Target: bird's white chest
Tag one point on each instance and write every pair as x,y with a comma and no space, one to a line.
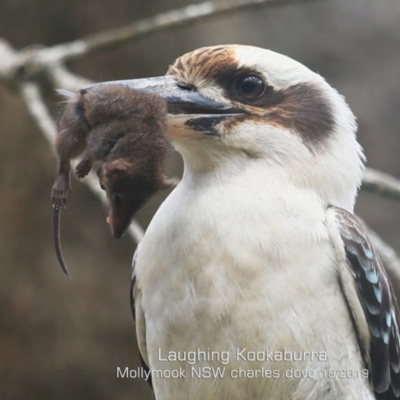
229,272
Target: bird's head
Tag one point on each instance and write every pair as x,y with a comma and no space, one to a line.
233,106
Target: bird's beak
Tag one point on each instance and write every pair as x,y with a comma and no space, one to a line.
188,110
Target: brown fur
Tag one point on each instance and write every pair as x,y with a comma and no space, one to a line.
125,131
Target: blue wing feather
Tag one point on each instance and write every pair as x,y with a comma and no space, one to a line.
379,303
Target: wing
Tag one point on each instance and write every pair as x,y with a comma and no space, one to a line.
138,317
379,304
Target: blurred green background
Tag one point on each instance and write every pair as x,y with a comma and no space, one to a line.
63,338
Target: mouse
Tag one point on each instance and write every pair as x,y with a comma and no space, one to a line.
124,133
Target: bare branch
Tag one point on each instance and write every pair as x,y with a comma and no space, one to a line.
35,59
381,183
169,19
32,97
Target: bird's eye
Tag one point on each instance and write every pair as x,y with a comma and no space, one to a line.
184,86
250,87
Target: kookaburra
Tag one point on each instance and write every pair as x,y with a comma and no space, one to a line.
255,263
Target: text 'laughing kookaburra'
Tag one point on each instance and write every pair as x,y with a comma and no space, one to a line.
254,279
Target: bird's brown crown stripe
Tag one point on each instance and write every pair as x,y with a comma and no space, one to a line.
205,62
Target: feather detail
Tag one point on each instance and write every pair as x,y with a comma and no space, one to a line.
379,303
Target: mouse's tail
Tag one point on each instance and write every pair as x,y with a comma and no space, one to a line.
56,237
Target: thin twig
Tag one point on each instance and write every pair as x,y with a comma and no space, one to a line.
64,79
32,97
381,183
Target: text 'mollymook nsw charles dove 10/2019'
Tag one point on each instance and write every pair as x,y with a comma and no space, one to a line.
257,249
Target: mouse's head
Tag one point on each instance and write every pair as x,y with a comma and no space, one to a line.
126,192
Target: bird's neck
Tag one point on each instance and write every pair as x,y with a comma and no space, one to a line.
258,203
245,183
